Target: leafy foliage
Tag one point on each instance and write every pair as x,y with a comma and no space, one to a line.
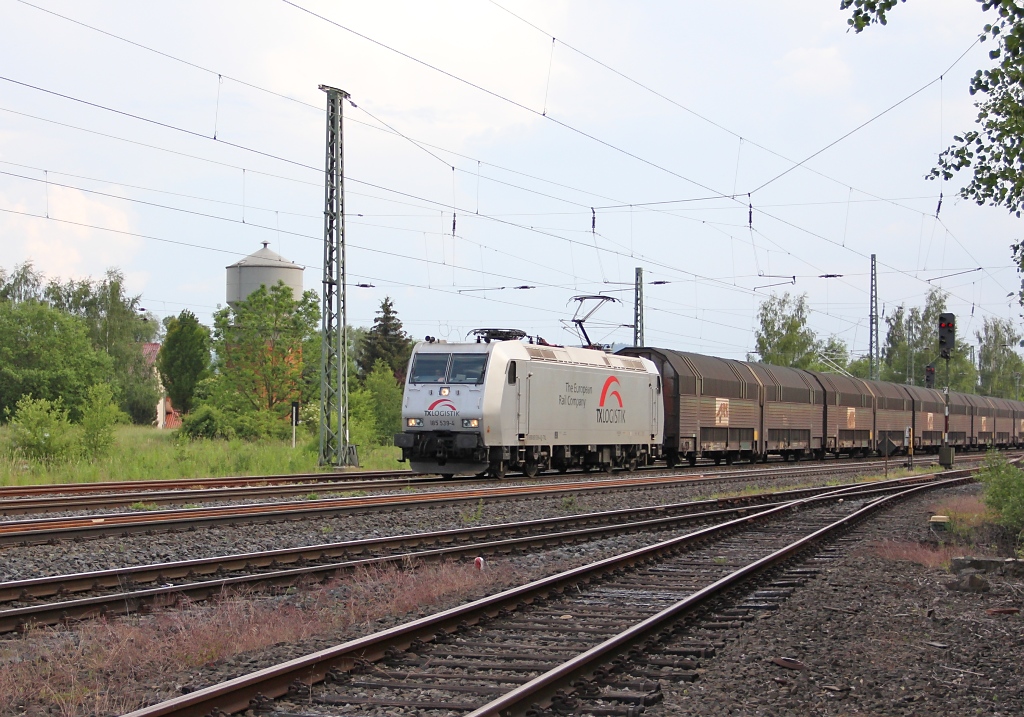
386,395
207,421
45,353
911,343
184,358
386,341
1004,490
40,430
114,324
783,337
1001,367
259,347
99,418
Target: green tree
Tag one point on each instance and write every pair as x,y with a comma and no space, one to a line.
783,337
912,342
99,418
386,395
46,354
993,151
259,348
119,327
386,341
1000,366
184,358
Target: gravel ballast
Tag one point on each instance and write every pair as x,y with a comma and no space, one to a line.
877,637
33,561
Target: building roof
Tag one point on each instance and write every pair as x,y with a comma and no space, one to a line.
265,257
149,352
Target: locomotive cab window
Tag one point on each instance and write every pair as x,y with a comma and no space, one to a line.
467,368
429,368
511,372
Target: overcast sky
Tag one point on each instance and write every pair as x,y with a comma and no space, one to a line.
693,103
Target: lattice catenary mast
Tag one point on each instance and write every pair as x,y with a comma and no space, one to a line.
873,348
334,446
638,308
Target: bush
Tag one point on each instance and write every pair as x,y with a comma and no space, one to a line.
40,430
1004,491
99,417
260,424
206,422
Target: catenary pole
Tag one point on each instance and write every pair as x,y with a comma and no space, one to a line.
334,429
638,308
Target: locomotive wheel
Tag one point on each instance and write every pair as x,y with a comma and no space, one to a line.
530,470
498,471
631,466
672,461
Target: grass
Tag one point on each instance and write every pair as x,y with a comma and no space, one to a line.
144,453
966,512
108,667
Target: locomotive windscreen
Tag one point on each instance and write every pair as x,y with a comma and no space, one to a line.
448,368
429,368
467,368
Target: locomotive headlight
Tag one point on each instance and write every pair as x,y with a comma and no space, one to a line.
413,422
470,422
444,391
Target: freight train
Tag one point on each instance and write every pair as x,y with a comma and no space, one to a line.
504,404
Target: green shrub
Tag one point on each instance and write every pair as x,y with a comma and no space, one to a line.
100,415
1004,490
40,430
206,422
260,424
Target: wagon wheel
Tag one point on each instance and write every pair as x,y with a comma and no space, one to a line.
447,476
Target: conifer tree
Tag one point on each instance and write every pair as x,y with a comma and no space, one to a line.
386,341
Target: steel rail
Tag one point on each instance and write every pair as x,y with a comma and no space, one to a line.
43,530
543,687
184,483
19,500
128,602
36,588
235,695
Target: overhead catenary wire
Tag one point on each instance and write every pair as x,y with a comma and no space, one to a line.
385,189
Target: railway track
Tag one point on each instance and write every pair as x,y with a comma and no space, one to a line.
56,498
595,639
121,591
55,529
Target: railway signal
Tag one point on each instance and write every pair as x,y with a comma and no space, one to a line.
947,334
929,376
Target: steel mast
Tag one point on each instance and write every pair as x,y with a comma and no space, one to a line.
334,430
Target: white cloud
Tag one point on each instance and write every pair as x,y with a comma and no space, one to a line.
58,248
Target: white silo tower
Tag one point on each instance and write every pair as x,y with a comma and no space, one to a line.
262,268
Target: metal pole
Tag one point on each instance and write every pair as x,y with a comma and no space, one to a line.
873,349
334,434
638,308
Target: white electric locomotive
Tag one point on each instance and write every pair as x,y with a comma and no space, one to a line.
504,404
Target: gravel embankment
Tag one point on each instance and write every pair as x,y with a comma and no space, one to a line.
877,636
20,563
